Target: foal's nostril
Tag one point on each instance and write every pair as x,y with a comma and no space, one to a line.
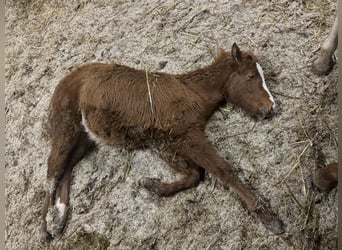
265,113
269,114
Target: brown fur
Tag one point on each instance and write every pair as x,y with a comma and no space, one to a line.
133,108
326,178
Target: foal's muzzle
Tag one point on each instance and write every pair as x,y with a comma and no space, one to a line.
267,113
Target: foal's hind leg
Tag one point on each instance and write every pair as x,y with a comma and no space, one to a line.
65,154
84,145
191,176
57,163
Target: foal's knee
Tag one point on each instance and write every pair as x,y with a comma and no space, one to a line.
194,177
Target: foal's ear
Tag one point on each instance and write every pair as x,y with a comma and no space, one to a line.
236,53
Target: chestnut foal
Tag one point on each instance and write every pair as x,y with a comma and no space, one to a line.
130,108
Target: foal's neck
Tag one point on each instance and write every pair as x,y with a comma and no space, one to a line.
209,82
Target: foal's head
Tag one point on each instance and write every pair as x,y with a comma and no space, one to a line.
246,87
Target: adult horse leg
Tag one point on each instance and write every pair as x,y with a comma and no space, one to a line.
324,64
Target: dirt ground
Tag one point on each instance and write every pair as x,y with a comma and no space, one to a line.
46,39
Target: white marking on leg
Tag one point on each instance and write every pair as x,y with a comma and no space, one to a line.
261,73
60,207
91,135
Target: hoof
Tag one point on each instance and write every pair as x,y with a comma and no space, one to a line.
57,221
323,65
270,220
45,237
155,186
326,178
150,184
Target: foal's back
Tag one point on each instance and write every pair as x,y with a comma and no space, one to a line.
112,99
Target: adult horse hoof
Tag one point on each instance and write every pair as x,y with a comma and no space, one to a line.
326,178
323,65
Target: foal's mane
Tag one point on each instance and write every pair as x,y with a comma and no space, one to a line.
221,55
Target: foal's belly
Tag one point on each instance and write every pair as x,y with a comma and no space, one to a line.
126,136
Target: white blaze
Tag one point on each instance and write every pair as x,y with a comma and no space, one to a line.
60,207
261,73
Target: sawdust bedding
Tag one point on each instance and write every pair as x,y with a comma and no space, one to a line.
47,39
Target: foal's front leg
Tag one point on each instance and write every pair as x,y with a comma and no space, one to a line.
200,151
